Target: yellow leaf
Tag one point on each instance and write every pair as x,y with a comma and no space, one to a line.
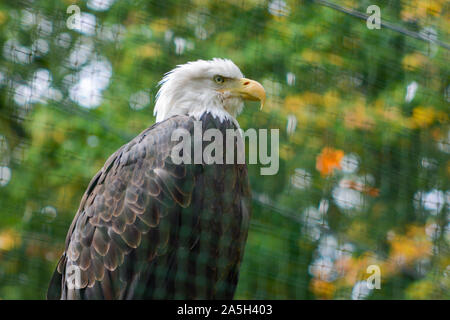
149,51
420,290
2,17
322,289
414,61
406,249
310,56
159,25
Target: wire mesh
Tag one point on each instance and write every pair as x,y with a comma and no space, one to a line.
363,114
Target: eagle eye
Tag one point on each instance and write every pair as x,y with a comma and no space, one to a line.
219,79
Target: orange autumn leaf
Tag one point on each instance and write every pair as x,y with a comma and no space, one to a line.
9,239
408,248
328,160
371,191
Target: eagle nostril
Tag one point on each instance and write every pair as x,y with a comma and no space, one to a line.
246,83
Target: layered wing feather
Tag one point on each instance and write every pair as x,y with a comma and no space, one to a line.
147,228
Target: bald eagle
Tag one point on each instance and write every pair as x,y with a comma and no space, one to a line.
148,228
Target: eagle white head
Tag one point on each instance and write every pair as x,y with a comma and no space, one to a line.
216,86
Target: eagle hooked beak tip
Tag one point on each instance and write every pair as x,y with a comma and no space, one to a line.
251,90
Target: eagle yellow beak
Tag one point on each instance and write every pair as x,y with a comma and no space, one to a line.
251,90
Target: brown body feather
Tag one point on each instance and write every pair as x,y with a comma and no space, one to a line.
147,228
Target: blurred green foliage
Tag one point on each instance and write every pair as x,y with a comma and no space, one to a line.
363,118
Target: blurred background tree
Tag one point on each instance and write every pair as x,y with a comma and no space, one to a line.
363,119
